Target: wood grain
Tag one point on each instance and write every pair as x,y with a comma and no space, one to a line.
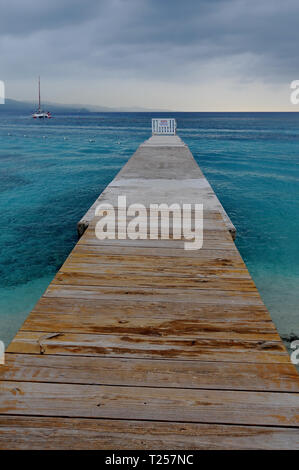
151,372
150,294
19,432
141,344
144,346
106,324
146,403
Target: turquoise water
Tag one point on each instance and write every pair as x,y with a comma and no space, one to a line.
52,171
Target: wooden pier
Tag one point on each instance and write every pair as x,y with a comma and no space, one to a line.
140,344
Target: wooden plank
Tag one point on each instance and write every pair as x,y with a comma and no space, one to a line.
152,319
106,324
208,243
190,405
208,213
214,255
36,433
211,229
153,373
202,296
90,278
169,233
75,265
153,310
148,261
143,346
211,222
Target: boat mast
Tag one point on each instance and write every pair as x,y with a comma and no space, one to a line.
39,95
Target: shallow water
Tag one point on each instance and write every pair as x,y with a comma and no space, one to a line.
52,171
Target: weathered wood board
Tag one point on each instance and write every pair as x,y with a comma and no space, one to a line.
141,344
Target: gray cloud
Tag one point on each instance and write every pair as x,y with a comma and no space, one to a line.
21,17
150,39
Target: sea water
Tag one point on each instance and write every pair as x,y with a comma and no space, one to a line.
52,171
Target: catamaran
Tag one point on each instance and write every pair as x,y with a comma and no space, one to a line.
40,114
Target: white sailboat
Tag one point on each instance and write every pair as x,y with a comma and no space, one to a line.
40,114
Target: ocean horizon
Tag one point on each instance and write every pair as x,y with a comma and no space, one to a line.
51,171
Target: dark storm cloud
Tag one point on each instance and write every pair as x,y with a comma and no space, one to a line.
20,17
150,38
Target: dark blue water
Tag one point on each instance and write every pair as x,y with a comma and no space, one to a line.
52,171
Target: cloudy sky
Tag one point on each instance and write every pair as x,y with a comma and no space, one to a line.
186,55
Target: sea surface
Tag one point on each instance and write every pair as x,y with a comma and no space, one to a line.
52,171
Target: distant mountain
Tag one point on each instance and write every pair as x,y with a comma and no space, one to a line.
25,107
